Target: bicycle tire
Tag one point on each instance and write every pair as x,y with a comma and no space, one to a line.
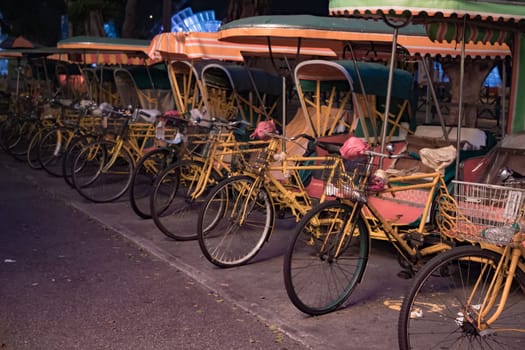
434,312
316,281
172,205
226,241
32,150
25,129
51,149
74,148
9,134
144,175
97,180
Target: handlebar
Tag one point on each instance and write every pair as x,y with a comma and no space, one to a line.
409,155
219,123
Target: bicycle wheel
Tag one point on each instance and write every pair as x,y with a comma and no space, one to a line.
18,145
74,148
177,197
327,258
147,170
32,151
441,308
52,148
235,221
9,133
102,171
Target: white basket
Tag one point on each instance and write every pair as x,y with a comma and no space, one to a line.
487,212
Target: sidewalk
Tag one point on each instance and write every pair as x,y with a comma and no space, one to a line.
258,288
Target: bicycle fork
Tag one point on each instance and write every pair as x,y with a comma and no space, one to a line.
500,282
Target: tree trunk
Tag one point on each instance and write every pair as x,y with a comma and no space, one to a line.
246,8
130,19
94,25
475,74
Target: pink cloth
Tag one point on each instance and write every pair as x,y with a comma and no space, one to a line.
264,127
172,114
353,147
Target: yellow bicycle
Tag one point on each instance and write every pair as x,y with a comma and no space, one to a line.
472,297
179,190
327,257
239,213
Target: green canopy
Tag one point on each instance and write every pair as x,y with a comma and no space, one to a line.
239,78
374,76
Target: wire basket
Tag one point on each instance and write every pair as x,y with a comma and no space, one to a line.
488,213
256,156
350,182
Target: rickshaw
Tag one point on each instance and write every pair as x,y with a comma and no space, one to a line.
329,107
215,93
486,308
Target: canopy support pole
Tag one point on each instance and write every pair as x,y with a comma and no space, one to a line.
388,93
460,107
400,22
503,94
283,79
363,92
430,86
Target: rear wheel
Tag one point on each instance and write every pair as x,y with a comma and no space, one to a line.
146,172
102,171
32,150
235,221
74,148
177,197
20,138
327,257
444,305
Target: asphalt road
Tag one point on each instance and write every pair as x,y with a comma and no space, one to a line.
69,282
79,275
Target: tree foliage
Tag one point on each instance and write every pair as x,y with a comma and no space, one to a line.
247,8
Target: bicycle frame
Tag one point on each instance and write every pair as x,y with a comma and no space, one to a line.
431,182
500,282
291,193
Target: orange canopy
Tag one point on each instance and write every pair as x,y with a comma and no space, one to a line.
206,45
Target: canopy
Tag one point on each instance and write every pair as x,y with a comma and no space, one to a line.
109,51
331,33
240,78
374,75
206,45
16,43
493,18
484,12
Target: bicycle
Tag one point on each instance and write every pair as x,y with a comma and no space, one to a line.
172,132
17,131
102,170
180,189
239,214
473,295
327,257
54,142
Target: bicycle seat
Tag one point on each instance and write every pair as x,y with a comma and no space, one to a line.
149,115
330,147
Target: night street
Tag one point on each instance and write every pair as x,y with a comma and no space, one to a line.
79,275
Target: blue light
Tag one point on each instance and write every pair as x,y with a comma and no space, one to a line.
187,21
493,79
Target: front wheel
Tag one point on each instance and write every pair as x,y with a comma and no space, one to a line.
326,258
51,149
444,308
235,221
102,171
